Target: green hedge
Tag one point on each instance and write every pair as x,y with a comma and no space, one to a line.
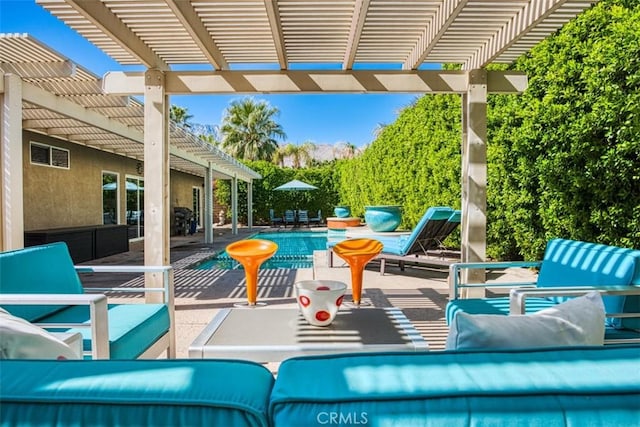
564,156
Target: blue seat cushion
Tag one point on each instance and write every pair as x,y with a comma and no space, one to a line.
43,269
130,325
135,392
553,387
498,305
575,263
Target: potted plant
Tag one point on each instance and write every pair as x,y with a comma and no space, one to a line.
342,211
381,218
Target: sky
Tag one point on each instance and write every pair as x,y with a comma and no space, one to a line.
318,118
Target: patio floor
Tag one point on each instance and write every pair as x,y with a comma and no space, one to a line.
420,292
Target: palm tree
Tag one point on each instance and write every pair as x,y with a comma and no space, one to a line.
209,138
180,116
380,127
249,130
299,154
345,150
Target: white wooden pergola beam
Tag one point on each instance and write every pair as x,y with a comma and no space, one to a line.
447,13
473,227
40,70
302,82
208,205
276,32
355,32
192,23
156,179
42,98
517,27
234,205
100,16
11,177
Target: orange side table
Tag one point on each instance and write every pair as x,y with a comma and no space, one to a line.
251,253
357,253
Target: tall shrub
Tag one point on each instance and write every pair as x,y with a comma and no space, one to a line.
414,162
564,156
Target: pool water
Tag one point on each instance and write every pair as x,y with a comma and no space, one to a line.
295,250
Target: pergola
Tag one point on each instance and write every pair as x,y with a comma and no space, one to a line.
45,92
353,36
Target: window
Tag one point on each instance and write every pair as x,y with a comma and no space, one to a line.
49,156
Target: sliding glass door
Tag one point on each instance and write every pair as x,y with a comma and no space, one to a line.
135,206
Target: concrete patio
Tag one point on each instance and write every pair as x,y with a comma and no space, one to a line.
420,292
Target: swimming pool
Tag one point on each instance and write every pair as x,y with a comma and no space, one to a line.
295,250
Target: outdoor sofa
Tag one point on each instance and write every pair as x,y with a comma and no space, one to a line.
41,285
566,386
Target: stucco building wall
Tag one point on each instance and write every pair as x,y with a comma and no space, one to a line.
59,197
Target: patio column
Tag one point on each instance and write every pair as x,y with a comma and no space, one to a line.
156,178
234,205
11,157
208,205
474,179
250,204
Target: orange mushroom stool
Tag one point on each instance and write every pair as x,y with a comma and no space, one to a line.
357,253
251,253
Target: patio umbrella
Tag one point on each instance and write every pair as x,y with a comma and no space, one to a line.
296,185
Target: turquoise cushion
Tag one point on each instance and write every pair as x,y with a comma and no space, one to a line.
132,327
492,306
553,387
44,269
393,245
135,392
575,263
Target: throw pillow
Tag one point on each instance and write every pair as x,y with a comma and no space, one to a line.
20,339
579,321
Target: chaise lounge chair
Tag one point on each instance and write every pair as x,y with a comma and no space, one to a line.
428,234
275,221
289,218
303,217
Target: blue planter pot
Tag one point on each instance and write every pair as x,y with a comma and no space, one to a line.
342,211
383,218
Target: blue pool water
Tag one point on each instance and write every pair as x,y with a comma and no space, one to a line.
295,250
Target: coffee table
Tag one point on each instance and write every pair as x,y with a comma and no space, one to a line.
274,334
